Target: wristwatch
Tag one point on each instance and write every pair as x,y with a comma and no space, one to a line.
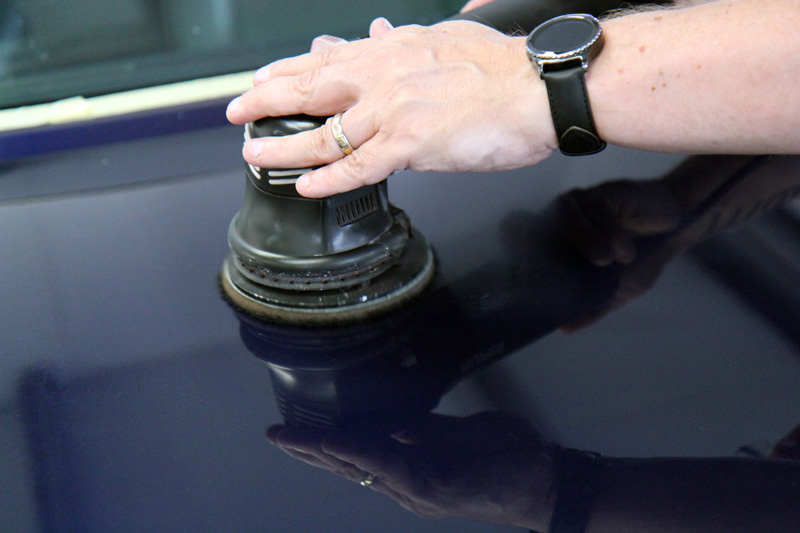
561,49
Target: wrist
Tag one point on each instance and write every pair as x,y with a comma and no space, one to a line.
533,106
561,50
579,477
538,499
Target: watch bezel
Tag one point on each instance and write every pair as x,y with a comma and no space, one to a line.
585,52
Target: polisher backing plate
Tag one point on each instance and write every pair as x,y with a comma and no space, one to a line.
398,286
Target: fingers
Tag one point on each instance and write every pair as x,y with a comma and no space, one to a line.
316,83
308,148
375,456
300,443
599,238
365,166
305,93
369,163
606,221
306,444
644,207
431,427
379,26
320,43
324,42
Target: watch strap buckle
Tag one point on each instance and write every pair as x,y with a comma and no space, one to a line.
579,141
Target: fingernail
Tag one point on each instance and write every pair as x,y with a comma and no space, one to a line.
330,39
256,147
303,183
262,74
234,105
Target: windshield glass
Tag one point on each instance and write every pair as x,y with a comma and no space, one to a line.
56,49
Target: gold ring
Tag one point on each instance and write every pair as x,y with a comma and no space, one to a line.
367,481
338,134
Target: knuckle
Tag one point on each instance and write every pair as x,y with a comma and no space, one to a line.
359,163
364,167
412,29
325,57
304,85
319,143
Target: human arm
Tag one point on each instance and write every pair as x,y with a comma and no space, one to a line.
640,226
718,77
496,467
704,495
490,466
460,97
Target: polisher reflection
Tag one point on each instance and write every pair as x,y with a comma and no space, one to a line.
383,374
357,400
368,389
590,252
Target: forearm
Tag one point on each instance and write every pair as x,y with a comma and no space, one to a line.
698,495
718,77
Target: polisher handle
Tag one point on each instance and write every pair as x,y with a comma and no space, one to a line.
521,16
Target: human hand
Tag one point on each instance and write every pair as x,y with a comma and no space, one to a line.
620,222
457,96
490,466
642,225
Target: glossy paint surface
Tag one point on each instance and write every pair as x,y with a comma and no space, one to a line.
134,398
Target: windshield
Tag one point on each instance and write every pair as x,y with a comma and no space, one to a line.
56,49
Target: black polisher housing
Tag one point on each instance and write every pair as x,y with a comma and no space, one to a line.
319,261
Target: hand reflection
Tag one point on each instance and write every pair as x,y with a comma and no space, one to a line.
788,447
490,466
496,467
642,225
619,222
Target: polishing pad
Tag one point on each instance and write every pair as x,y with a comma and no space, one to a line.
370,299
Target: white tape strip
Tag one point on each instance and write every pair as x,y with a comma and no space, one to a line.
123,103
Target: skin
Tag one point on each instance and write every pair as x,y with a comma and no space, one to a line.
472,4
414,117
458,96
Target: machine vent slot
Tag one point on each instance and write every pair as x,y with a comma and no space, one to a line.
357,209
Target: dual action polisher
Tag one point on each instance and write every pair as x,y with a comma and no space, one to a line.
321,261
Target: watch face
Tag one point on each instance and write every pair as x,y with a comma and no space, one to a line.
565,34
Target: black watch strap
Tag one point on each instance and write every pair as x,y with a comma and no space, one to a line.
579,478
572,114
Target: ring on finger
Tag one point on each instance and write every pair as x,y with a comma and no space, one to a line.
338,134
367,481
